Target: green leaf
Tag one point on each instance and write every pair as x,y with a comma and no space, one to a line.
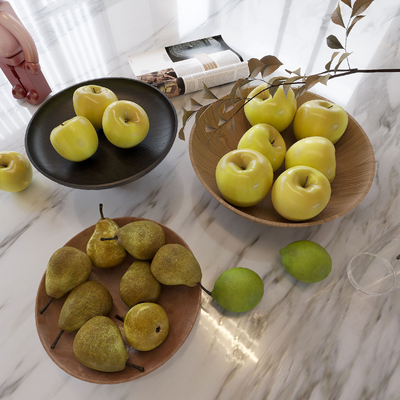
271,64
336,17
355,20
333,42
328,65
208,94
360,6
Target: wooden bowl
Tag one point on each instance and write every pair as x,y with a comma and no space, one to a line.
181,303
355,165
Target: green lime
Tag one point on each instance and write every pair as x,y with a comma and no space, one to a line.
306,261
238,289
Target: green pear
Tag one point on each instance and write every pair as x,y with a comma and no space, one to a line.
99,345
105,254
141,239
238,289
174,264
139,285
84,302
67,268
146,326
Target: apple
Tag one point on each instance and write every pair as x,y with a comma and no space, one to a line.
125,123
244,177
315,151
278,110
90,101
75,139
268,141
300,193
15,171
320,118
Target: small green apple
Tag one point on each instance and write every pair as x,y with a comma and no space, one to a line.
125,123
244,177
300,193
320,118
278,110
75,139
315,151
90,101
268,141
15,171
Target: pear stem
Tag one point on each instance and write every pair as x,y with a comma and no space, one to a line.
45,307
119,317
57,338
113,238
207,291
101,211
141,369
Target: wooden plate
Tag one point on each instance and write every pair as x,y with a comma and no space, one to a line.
355,166
180,302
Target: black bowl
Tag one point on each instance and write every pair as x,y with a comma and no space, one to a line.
110,166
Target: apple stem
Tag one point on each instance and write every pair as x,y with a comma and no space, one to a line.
45,307
113,238
305,183
57,338
101,211
141,369
207,291
119,317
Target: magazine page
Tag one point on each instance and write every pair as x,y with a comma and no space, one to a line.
185,67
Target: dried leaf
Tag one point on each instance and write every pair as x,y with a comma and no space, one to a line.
333,42
324,79
355,20
336,17
328,65
208,94
341,59
209,128
277,80
181,134
347,2
272,90
311,81
296,72
360,6
195,105
186,115
255,67
271,65
299,91
288,83
221,120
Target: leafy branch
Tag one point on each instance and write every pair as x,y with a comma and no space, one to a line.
261,69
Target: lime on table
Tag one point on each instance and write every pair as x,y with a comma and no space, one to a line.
306,261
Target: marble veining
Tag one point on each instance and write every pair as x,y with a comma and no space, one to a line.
320,341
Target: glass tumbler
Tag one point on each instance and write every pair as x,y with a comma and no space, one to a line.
376,270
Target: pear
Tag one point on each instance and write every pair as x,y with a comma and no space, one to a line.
146,326
238,289
138,284
99,345
105,254
174,264
141,239
84,302
67,268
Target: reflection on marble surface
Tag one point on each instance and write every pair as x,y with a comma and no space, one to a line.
319,341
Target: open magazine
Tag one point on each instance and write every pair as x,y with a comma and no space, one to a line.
185,67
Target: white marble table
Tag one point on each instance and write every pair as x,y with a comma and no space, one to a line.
322,341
